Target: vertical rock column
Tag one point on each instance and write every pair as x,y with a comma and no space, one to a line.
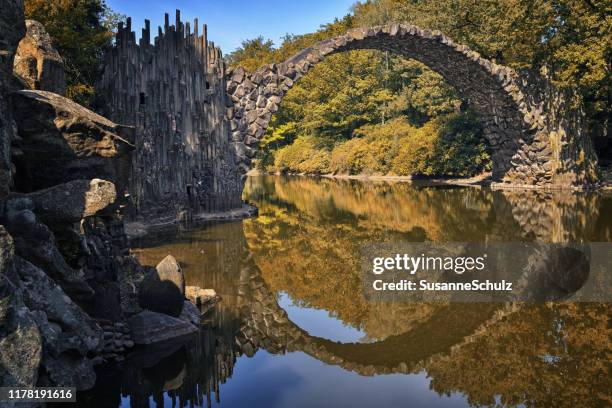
173,91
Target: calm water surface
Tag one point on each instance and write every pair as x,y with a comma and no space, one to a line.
293,329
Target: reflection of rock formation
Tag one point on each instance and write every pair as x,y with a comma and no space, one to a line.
249,319
554,216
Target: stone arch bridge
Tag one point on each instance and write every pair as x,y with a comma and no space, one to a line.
537,140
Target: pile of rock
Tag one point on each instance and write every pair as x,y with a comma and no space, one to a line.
204,299
117,340
167,315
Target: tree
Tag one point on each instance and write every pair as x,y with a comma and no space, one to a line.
81,31
572,38
252,54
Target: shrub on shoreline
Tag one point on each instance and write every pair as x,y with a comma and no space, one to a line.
449,146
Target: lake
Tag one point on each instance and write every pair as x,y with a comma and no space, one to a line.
293,328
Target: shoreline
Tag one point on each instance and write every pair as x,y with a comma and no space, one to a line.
480,180
483,179
140,229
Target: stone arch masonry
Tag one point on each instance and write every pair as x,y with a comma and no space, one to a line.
536,137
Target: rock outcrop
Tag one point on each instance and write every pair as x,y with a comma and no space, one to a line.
72,201
37,62
60,141
35,242
20,339
163,289
69,334
68,284
184,162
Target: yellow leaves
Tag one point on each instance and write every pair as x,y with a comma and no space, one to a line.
303,156
583,64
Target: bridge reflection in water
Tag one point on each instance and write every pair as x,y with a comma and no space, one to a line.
305,243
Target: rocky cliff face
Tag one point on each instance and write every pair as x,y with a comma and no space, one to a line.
60,140
173,92
58,267
12,29
37,63
70,292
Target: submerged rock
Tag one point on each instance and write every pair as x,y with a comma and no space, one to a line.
149,327
163,289
37,62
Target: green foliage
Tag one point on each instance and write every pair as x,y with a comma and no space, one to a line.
81,31
251,53
453,145
416,154
460,149
373,151
572,38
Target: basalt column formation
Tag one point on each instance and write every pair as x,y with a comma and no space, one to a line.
173,92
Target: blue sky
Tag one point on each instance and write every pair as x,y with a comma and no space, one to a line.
232,21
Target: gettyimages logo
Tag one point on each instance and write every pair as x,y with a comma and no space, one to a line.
414,264
479,272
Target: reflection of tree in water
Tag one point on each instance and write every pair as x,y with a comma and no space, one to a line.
554,355
307,238
539,355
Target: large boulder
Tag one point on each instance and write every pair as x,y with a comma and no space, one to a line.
72,201
70,336
36,243
60,141
163,289
149,327
37,62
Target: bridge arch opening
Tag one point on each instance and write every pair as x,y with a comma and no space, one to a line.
532,142
370,112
